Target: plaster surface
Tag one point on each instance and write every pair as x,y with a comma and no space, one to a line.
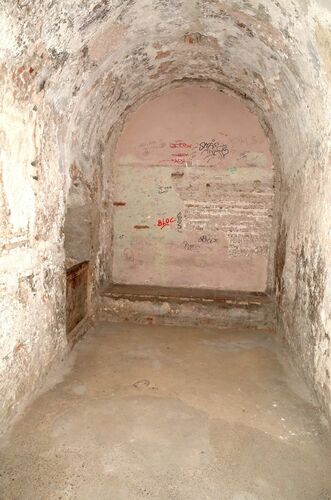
193,191
170,413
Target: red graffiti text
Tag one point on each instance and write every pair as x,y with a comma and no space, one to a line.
178,161
165,222
180,145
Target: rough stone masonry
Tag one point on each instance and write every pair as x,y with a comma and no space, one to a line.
72,72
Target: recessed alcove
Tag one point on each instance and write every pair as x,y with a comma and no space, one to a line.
193,189
193,194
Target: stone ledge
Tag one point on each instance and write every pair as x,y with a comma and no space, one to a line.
190,307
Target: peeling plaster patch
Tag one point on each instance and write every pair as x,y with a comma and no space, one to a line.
200,39
323,37
314,56
324,3
17,148
106,41
162,54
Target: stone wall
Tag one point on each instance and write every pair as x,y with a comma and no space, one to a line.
71,72
32,279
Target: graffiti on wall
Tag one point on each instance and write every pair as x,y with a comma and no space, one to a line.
207,238
213,149
207,180
190,246
180,144
165,222
179,222
164,189
180,156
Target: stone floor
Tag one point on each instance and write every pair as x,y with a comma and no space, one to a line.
170,413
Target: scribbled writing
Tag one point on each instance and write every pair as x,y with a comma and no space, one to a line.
180,144
179,222
179,158
189,246
213,149
165,222
206,238
164,189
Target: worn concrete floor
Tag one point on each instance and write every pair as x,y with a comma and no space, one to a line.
170,413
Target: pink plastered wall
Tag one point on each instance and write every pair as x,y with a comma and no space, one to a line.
193,194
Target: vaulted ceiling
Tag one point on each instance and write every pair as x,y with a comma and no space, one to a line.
94,59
